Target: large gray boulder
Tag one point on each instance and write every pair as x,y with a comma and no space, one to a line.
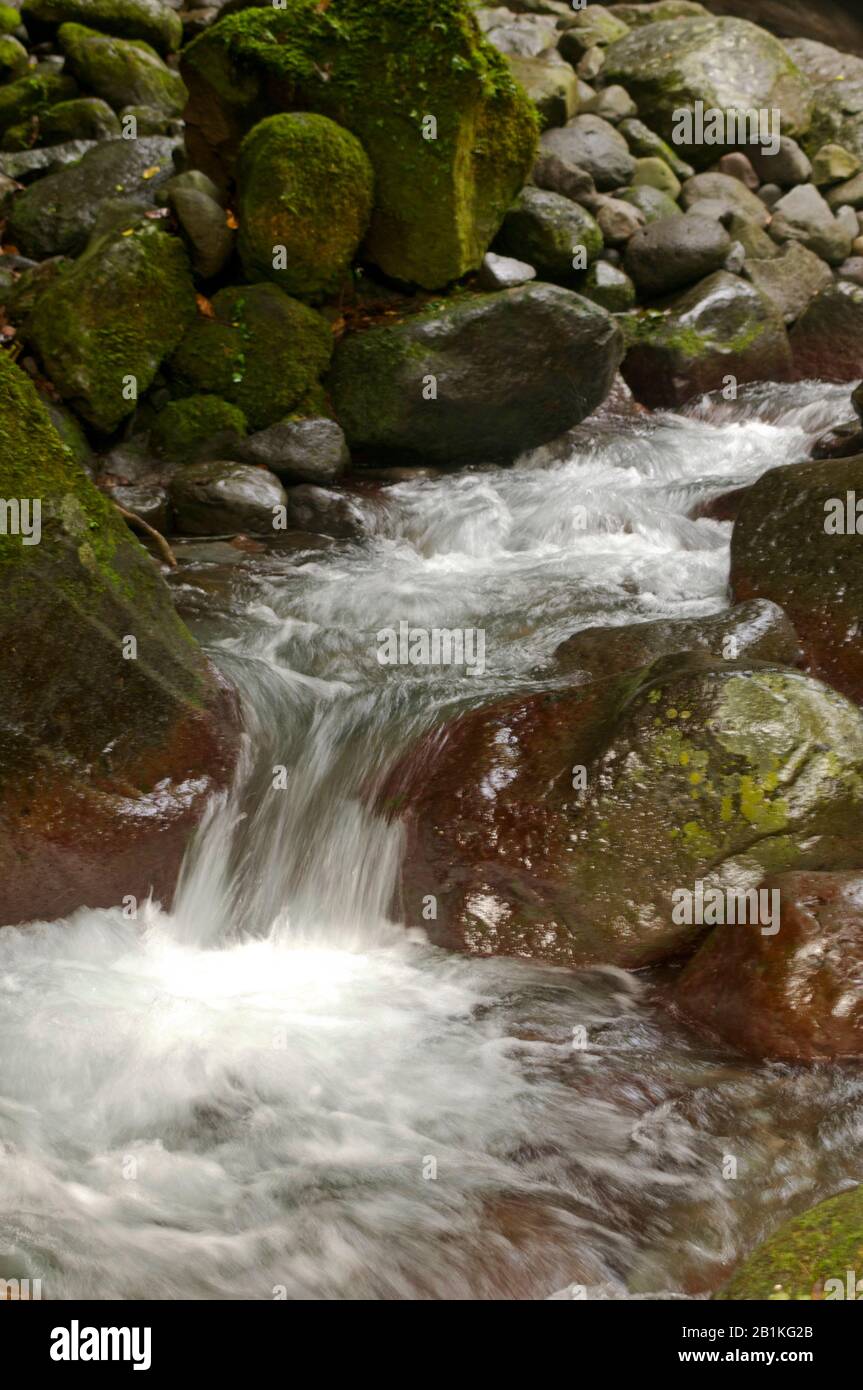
595,146
210,499
484,377
728,64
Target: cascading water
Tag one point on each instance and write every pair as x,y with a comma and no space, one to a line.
277,1091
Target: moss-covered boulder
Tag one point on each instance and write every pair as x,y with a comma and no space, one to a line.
185,428
57,214
106,760
14,58
547,231
807,1258
449,133
123,72
305,199
84,118
108,321
480,377
262,350
10,19
28,97
728,64
837,80
793,992
721,327
559,825
797,540
150,20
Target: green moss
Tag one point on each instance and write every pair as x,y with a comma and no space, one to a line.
380,71
10,19
84,118
31,95
184,425
263,352
122,71
14,59
114,314
798,1261
150,20
305,185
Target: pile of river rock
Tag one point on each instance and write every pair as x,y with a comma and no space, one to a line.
257,257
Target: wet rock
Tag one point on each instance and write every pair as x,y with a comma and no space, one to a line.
588,28
827,341
832,164
728,193
756,243
551,86
802,1258
84,118
782,549
312,450
150,20
787,167
438,202
558,825
524,35
57,214
803,215
26,165
618,221
594,145
610,287
757,631
613,104
794,991
852,269
655,173
721,326
837,79
790,281
503,272
147,501
545,229
727,64
133,291
841,442
198,427
591,63
651,202
107,763
326,512
645,143
121,71
149,121
511,371
848,194
305,186
29,97
675,252
212,498
14,59
738,166
262,351
559,175
209,238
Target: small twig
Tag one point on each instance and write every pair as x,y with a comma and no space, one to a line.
133,520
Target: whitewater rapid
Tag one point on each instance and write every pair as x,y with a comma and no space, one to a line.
277,1091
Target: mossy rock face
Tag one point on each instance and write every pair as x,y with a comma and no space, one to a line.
123,72
510,370
782,549
105,325
9,19
805,1255
837,78
29,96
14,59
184,427
305,199
85,118
57,214
262,351
728,64
722,326
105,763
545,230
558,825
378,70
150,20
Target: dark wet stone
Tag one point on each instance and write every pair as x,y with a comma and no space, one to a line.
211,499
309,450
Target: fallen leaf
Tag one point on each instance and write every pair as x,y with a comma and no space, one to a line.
231,220
205,307
151,173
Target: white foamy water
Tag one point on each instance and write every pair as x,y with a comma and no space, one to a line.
277,1089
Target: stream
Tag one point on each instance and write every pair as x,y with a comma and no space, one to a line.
275,1091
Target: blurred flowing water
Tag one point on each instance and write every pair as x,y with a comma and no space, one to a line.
277,1091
